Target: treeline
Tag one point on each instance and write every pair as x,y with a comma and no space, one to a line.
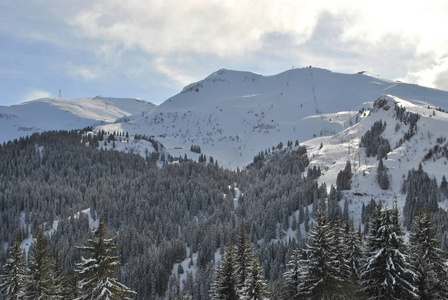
339,263
175,215
41,274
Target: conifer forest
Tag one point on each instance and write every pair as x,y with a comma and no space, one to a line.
81,222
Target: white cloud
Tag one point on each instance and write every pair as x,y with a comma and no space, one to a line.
35,94
236,30
86,72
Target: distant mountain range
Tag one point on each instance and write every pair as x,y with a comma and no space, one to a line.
233,115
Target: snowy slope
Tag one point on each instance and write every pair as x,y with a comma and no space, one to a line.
65,114
233,115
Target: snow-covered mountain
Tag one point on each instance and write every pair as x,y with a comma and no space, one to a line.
65,114
233,115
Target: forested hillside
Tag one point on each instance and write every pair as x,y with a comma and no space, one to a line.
175,222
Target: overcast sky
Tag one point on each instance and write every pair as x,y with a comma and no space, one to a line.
151,49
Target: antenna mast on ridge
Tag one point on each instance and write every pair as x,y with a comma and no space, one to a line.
60,93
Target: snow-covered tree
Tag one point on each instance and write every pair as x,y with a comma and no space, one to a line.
354,253
224,285
60,288
14,274
96,273
320,278
427,260
243,252
293,275
41,283
255,286
386,272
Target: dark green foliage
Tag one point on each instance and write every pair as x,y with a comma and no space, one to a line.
224,285
41,281
386,272
321,278
422,192
374,143
97,273
382,177
195,149
407,118
427,259
15,274
344,178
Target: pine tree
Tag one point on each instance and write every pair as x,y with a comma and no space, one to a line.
255,286
381,177
340,251
14,274
293,275
39,263
97,272
224,285
61,283
243,252
386,273
320,278
354,253
427,260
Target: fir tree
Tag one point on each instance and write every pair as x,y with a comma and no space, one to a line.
61,282
293,275
243,252
255,287
354,253
96,273
381,177
386,273
14,274
224,285
427,259
41,281
320,278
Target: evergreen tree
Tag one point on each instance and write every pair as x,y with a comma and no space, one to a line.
427,260
224,285
386,273
243,252
381,177
255,287
344,178
14,274
320,278
41,283
340,251
354,253
96,273
293,275
61,282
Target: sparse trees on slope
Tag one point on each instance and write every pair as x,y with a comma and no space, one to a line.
427,259
97,272
14,274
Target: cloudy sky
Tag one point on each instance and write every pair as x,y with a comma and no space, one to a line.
151,49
